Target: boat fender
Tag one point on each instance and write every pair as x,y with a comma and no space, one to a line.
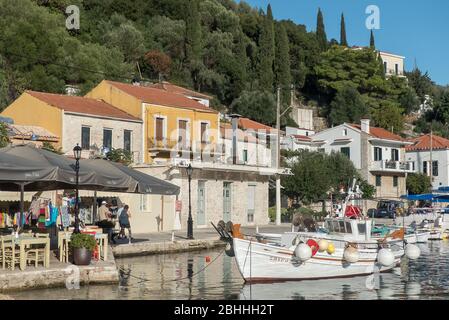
303,252
385,257
412,252
313,245
330,248
323,244
351,254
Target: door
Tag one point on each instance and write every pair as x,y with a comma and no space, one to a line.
182,134
251,203
201,210
227,201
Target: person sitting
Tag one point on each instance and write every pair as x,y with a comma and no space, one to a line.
105,217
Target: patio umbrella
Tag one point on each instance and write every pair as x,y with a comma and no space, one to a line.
143,183
40,170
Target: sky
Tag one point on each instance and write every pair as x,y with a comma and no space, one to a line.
416,29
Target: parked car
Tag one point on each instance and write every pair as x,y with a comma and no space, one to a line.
388,209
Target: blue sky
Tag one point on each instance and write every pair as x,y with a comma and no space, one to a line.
412,28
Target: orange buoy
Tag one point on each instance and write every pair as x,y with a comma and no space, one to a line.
313,245
207,259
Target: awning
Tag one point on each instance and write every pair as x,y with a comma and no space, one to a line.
427,197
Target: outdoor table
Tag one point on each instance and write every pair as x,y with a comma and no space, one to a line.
24,241
102,240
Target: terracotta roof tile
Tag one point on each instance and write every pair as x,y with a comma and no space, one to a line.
423,143
82,105
19,131
160,97
245,123
301,137
380,133
172,88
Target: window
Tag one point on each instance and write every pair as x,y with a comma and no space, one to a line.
385,67
127,140
345,132
378,181
245,155
377,154
348,227
107,138
424,167
346,151
435,168
204,133
85,138
395,181
396,69
394,155
159,129
145,203
182,132
361,228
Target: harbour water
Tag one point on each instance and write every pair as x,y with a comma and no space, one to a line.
212,275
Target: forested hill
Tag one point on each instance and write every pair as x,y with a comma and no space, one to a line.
237,53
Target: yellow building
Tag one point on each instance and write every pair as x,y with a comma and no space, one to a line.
171,121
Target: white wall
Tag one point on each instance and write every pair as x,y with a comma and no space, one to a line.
72,125
332,134
258,153
303,118
442,156
391,61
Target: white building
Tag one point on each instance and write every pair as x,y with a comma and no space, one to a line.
296,139
378,154
431,156
393,64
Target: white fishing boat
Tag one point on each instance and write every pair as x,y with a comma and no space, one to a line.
346,251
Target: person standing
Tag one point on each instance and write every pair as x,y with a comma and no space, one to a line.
124,222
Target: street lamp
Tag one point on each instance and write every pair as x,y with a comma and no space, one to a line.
189,170
77,153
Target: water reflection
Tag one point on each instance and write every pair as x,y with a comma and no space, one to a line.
192,276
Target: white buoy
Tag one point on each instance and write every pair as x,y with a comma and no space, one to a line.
385,257
303,252
351,255
412,252
323,245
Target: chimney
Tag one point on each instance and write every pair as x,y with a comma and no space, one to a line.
235,126
365,125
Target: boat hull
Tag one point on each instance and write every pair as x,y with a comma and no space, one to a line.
258,262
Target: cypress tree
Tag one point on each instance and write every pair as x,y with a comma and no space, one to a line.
282,64
372,43
241,64
343,40
321,31
266,53
193,31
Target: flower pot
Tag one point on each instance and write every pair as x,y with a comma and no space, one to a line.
81,256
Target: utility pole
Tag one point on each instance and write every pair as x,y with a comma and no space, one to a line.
278,158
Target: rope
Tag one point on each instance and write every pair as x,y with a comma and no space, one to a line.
142,279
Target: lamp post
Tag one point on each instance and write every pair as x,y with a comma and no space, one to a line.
189,170
77,154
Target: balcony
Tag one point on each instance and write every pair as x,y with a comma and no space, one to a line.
392,166
168,145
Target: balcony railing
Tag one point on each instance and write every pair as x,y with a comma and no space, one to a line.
392,166
168,144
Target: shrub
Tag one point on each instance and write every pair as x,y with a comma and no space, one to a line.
81,240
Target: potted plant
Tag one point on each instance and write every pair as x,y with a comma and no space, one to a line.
82,246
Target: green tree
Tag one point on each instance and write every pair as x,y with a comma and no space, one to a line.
372,43
441,109
193,31
321,31
282,64
348,106
418,183
266,53
4,137
422,83
343,40
257,105
120,156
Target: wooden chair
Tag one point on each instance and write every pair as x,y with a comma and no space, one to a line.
36,253
10,254
63,245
